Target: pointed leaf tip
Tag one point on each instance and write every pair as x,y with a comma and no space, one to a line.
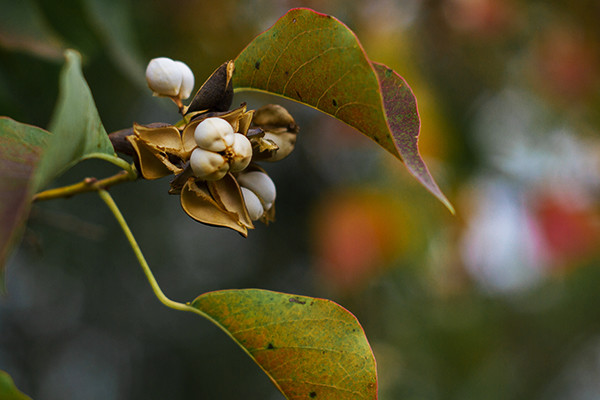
316,60
77,131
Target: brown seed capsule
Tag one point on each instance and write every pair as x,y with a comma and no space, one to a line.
279,129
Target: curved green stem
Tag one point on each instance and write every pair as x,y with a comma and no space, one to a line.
107,198
119,162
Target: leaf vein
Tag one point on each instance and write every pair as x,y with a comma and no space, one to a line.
312,348
284,50
304,64
286,322
335,83
354,103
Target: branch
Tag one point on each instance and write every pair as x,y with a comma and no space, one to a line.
87,185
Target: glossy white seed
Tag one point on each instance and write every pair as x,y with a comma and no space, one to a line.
259,183
208,165
214,134
187,80
242,153
253,204
164,77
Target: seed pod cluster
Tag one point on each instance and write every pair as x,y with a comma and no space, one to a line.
212,152
220,150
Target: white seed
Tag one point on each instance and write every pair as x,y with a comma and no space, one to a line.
259,183
214,134
208,165
164,77
242,153
187,80
253,204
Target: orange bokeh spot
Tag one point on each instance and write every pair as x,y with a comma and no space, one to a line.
355,235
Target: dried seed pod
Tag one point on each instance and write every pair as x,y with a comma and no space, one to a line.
273,116
214,134
261,185
285,141
279,128
241,149
208,165
253,204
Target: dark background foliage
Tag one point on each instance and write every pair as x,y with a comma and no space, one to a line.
499,302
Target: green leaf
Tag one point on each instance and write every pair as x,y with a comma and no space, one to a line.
31,157
310,348
315,59
77,132
21,147
8,391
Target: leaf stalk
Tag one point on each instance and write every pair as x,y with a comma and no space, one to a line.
109,201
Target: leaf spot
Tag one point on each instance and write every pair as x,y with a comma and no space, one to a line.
334,102
297,301
312,395
270,346
257,64
294,21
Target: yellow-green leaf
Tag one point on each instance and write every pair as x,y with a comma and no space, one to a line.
8,390
310,348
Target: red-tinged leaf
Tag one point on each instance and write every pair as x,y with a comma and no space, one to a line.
21,147
315,59
400,106
310,348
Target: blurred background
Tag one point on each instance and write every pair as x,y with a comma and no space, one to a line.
500,301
